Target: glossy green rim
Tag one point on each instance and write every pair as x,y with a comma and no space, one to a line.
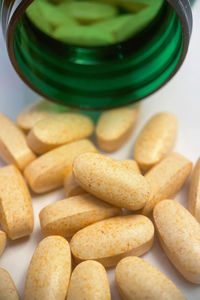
103,77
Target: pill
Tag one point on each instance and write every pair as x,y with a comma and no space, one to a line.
58,130
81,35
49,270
8,289
137,279
68,216
155,140
106,179
115,126
110,240
194,192
15,204
166,179
89,281
48,171
38,111
87,12
13,146
43,11
72,188
179,232
2,242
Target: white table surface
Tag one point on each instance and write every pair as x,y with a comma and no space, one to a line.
181,96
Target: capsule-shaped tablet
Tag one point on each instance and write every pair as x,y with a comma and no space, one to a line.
115,126
88,12
15,204
2,242
137,279
110,240
89,281
166,179
179,233
48,171
49,270
8,289
13,146
155,140
58,130
38,111
68,216
194,193
72,188
106,179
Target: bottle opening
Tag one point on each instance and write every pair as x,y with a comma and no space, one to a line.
98,54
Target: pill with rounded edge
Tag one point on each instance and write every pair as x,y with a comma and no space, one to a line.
58,130
72,188
8,289
166,179
179,233
13,146
137,279
106,179
48,171
15,204
49,270
155,140
194,192
115,126
68,216
36,112
89,281
110,240
88,12
2,242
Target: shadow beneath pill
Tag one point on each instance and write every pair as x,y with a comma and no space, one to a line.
18,242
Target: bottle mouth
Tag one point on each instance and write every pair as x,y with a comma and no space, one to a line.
100,76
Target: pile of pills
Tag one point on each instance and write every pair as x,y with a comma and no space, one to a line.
113,208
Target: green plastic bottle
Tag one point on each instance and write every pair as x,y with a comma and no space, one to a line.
96,54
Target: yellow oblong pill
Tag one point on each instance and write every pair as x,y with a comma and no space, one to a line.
49,270
137,279
36,112
114,127
166,179
13,146
87,12
2,242
155,140
72,188
110,240
58,130
194,192
179,232
89,281
108,180
48,171
68,216
8,289
15,204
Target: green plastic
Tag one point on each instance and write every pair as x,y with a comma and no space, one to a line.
100,77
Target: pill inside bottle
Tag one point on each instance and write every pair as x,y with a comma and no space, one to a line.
98,54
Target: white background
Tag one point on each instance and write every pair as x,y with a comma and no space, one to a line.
181,96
